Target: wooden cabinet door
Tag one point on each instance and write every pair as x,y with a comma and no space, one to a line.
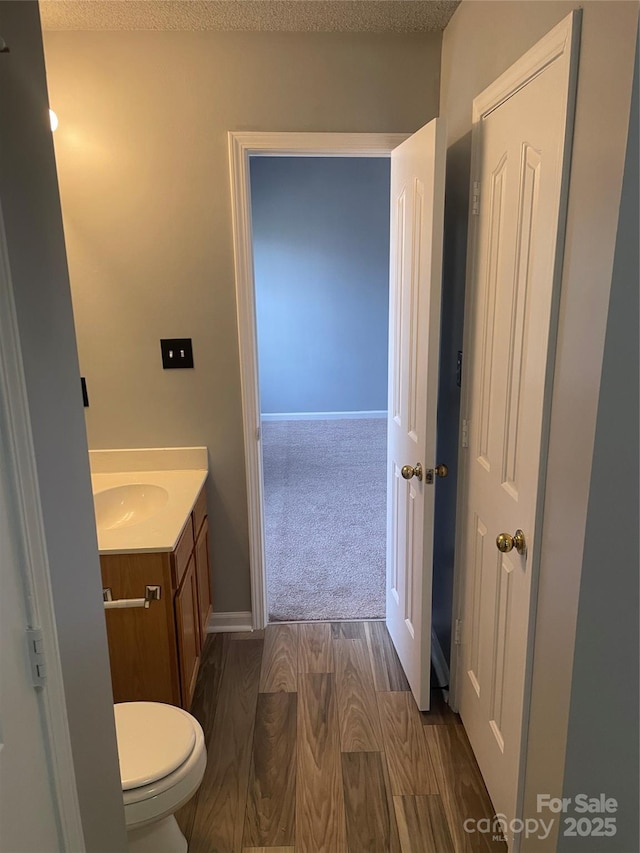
142,641
204,577
188,629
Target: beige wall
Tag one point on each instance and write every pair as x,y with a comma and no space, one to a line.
481,41
142,160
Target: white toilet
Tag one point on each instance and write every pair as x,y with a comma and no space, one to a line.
162,761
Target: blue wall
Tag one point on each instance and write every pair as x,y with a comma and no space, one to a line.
321,258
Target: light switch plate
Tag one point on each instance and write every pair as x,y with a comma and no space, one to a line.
176,353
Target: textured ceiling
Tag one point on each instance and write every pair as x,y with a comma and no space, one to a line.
261,15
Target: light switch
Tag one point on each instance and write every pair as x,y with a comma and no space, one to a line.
176,353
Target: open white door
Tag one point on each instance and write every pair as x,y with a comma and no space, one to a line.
28,807
417,209
38,798
521,136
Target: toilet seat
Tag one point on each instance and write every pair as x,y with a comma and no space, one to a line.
153,741
164,794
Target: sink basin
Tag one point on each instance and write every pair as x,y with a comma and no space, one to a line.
124,506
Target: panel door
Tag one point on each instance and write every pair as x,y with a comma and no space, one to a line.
519,147
417,208
28,804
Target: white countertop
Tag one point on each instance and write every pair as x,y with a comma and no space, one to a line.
161,531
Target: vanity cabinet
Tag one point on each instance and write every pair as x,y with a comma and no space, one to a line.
204,574
201,550
155,652
189,630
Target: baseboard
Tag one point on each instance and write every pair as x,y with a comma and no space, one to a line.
230,621
321,416
439,661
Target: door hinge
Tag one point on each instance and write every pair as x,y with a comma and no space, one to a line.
258,433
36,657
475,199
465,432
457,634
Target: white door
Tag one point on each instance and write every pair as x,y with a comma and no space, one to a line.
28,810
417,208
38,800
520,138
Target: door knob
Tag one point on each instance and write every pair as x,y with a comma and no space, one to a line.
506,542
408,471
441,470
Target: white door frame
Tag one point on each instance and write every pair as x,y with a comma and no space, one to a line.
560,41
18,456
241,147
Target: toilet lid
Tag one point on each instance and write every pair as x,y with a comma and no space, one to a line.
153,740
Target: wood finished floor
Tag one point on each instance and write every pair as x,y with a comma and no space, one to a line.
315,745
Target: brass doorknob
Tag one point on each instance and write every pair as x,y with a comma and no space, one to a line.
441,470
408,471
506,542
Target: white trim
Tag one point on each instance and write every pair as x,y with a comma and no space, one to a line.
39,597
557,43
323,416
439,661
241,147
220,623
325,621
278,144
561,43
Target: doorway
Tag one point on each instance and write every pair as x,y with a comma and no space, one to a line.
417,203
320,229
242,147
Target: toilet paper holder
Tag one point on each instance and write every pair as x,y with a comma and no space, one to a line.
152,593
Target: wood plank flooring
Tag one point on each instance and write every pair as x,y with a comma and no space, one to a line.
315,745
270,815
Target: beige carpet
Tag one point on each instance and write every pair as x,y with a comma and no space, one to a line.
325,514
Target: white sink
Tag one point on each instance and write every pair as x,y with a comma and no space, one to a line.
123,506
